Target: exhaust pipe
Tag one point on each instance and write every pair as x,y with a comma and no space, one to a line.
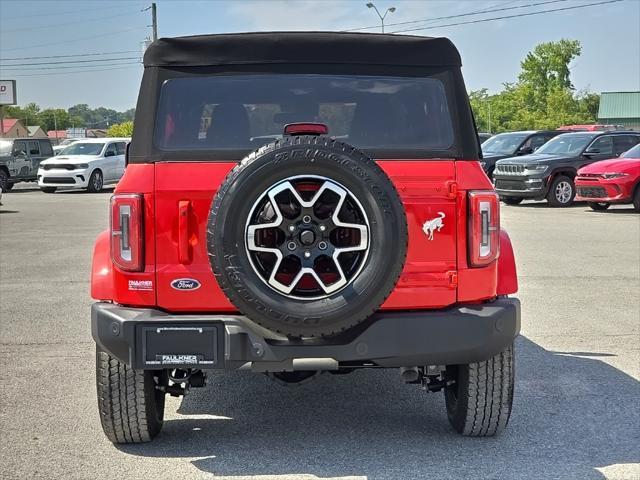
409,374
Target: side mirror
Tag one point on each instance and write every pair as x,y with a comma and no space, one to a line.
109,153
592,151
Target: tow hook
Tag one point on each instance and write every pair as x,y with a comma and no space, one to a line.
179,381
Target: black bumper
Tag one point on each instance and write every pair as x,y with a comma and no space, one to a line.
141,337
522,187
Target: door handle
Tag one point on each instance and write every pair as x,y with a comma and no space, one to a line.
184,249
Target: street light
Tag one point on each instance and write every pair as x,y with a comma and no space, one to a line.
382,17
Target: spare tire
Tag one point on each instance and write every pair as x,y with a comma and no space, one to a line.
307,236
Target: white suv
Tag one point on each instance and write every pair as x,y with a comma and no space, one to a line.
90,163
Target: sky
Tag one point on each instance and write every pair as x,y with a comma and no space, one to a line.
491,51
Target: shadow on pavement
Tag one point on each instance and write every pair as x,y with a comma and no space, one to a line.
571,415
613,211
544,204
15,190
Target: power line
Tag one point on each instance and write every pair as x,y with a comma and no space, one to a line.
108,34
51,14
68,66
95,60
84,20
574,7
490,10
75,72
69,56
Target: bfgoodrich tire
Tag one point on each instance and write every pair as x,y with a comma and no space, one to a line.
306,177
480,398
131,407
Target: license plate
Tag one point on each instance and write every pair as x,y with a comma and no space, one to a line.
192,346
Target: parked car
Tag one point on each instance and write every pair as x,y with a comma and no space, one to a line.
483,137
20,158
300,255
611,181
89,164
550,172
64,144
509,144
590,128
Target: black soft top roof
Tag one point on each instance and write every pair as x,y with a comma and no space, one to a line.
302,47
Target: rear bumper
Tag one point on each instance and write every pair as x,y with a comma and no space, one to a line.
458,335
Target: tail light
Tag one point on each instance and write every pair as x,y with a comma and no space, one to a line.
484,227
127,232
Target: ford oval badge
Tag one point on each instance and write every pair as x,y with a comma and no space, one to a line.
185,284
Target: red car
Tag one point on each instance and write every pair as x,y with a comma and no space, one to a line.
611,181
299,203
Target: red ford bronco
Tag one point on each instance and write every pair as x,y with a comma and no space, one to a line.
300,203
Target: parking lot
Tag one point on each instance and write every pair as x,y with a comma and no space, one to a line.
576,412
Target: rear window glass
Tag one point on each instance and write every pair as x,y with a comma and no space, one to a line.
246,111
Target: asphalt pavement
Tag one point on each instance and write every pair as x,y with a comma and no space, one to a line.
577,402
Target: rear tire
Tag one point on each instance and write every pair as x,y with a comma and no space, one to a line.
480,399
48,189
96,182
131,407
599,206
512,200
562,192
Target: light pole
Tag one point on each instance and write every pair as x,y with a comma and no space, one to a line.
382,17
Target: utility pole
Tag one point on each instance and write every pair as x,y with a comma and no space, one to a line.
154,21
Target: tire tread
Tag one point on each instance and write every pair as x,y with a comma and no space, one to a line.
485,396
125,402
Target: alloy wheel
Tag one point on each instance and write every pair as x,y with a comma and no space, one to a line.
307,237
563,192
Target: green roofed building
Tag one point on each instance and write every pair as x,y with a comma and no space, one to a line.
620,108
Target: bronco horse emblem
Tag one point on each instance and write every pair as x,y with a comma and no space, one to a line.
430,226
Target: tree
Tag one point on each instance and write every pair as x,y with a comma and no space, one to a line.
543,96
54,118
547,66
124,129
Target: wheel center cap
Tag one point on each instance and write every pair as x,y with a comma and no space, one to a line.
307,237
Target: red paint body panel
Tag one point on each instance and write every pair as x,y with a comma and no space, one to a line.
617,190
507,274
424,191
197,183
102,268
178,196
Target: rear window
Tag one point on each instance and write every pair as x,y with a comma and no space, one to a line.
245,111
